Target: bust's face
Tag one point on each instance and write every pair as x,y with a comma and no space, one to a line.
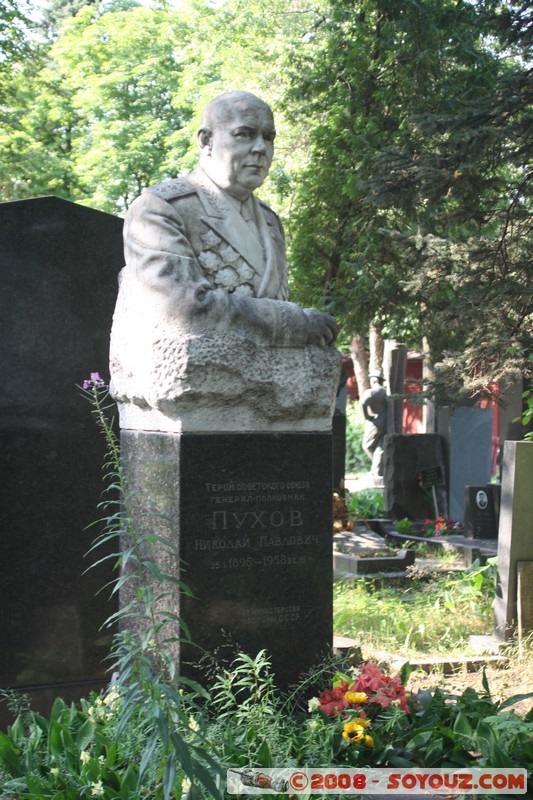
239,152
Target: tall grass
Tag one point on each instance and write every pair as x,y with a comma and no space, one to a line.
426,614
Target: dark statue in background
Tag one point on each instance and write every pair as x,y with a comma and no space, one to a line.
374,405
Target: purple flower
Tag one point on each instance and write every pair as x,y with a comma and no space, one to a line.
95,382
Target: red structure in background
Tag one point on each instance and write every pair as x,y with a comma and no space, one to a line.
412,420
351,380
495,427
413,412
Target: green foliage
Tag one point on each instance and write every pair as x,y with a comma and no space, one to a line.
57,12
365,504
111,102
109,747
123,73
527,415
247,686
91,751
414,196
401,168
356,458
447,729
404,525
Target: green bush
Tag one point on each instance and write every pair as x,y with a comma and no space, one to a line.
342,714
365,504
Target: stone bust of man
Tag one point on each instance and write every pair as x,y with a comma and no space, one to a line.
206,264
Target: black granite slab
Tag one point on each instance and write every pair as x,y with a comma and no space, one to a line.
58,275
253,518
414,473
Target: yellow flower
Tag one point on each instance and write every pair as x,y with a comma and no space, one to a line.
194,725
368,741
356,697
355,731
97,789
112,699
54,771
85,757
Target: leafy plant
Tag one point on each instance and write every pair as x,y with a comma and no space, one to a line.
404,525
366,504
527,415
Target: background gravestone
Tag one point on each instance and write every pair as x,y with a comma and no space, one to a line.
468,436
481,512
515,537
413,470
58,271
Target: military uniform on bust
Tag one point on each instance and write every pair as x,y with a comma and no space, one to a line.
246,256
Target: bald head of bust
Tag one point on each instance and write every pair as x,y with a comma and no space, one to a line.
236,141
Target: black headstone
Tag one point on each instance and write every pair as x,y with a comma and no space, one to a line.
413,472
58,274
251,515
480,520
339,450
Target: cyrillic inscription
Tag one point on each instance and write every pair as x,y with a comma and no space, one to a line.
253,516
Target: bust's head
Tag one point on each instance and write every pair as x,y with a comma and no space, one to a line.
236,141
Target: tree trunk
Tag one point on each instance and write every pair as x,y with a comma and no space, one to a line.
376,350
360,363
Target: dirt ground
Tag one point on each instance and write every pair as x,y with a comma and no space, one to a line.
509,677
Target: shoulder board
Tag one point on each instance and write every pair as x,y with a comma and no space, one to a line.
176,187
267,208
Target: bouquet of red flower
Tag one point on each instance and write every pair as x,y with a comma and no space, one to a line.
440,527
359,699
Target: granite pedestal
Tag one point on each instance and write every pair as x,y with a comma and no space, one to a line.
250,516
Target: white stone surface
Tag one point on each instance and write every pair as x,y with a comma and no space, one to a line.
207,383
204,335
